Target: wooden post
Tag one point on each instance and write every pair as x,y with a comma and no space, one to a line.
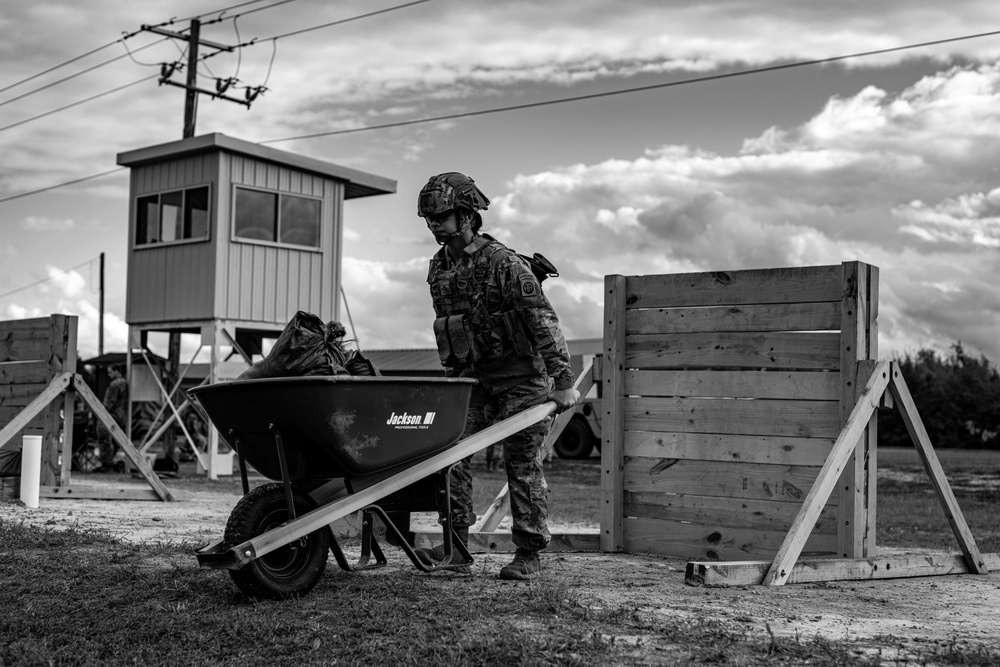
855,528
612,428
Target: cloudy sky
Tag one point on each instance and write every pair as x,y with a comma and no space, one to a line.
889,159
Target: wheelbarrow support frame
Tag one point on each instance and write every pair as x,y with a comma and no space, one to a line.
216,556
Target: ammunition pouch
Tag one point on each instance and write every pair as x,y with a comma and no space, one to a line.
455,343
516,332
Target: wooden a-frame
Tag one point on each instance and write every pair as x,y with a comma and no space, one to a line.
883,377
56,388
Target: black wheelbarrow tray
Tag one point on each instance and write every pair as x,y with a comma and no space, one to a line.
335,446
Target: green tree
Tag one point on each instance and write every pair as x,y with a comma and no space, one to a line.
958,398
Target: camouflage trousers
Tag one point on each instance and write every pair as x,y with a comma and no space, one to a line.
529,505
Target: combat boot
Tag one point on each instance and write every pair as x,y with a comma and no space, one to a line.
525,565
431,557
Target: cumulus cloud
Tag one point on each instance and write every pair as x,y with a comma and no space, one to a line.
839,187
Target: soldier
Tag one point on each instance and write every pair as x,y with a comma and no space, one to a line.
493,323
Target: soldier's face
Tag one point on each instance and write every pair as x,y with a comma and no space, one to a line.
442,225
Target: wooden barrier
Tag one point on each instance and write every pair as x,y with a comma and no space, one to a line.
724,393
38,386
740,424
32,353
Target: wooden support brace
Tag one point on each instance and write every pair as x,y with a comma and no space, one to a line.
748,573
820,492
133,455
915,427
501,504
55,389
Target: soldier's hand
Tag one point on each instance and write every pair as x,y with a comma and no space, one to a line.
564,398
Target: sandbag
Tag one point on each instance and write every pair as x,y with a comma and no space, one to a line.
306,346
359,364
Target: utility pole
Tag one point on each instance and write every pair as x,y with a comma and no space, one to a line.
191,95
195,42
100,325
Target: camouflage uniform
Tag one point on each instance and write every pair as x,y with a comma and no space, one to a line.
495,324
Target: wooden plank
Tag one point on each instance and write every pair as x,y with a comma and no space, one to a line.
500,542
748,573
734,480
612,404
19,395
811,419
780,350
29,327
684,540
922,442
801,385
777,450
24,372
8,414
500,506
23,349
824,316
137,459
96,493
752,286
36,407
732,512
821,489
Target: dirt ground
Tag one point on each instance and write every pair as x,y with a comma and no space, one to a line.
901,615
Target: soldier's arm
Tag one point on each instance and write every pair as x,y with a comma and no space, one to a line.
524,293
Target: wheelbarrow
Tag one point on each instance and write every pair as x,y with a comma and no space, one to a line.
335,446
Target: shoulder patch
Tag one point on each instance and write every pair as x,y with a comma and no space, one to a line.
529,286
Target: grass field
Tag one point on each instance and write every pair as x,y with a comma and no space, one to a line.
81,598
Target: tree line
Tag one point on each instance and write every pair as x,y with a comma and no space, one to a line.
957,396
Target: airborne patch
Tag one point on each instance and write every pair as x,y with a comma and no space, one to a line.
529,287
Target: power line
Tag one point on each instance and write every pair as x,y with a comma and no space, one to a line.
128,54
637,89
577,98
77,103
61,185
301,31
122,41
44,280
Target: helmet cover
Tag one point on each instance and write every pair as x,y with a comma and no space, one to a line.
448,192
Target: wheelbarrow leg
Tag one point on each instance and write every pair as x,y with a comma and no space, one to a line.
286,478
369,547
238,448
432,493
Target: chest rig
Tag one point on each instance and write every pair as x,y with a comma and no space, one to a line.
473,324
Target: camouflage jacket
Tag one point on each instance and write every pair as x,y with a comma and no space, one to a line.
494,322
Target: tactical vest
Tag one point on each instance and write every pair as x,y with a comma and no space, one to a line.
466,331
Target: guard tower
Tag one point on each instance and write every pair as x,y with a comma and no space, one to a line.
227,240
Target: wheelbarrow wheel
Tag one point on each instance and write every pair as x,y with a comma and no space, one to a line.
289,571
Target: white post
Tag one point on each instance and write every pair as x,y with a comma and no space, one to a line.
31,469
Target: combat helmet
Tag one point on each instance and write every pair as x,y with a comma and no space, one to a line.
448,192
